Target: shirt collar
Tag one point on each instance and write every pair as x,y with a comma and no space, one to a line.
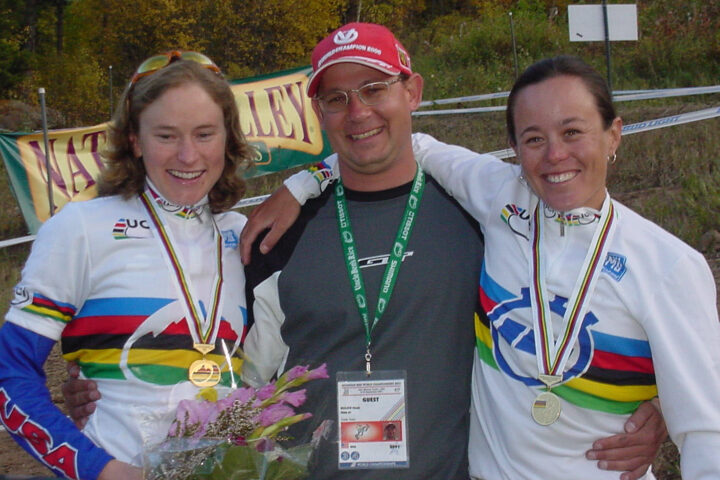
181,211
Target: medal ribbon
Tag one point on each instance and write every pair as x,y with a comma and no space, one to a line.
552,356
194,319
392,268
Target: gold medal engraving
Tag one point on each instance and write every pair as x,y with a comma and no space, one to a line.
204,373
546,408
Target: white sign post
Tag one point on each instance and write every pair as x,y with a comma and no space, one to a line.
594,23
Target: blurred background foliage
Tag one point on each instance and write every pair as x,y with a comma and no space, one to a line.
74,48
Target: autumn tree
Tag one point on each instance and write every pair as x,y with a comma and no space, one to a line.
14,60
256,36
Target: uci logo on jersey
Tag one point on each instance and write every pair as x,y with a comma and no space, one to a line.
126,228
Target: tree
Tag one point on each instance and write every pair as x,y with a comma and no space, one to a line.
254,36
394,14
14,59
59,22
269,35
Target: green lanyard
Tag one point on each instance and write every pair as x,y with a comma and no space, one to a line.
393,266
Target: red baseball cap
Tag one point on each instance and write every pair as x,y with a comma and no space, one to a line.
368,44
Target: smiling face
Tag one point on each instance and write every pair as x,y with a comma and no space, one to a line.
373,143
562,144
182,140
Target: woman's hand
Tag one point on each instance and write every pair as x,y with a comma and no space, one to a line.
634,451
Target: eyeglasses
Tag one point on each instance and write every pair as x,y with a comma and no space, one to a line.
157,62
370,94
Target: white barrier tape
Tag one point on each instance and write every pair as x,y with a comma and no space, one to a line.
671,120
472,98
618,96
666,93
15,241
505,153
500,108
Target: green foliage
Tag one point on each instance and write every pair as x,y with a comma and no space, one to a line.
268,35
13,59
392,13
476,55
13,63
679,46
258,36
77,88
123,34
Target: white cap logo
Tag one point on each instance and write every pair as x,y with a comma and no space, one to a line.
341,38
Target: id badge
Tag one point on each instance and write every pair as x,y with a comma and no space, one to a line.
372,421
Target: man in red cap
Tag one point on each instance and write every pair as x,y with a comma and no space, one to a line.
355,281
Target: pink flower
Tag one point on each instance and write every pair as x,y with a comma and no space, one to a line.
192,412
320,372
266,392
274,413
295,398
242,395
303,373
296,372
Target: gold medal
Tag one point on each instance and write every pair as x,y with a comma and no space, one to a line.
204,373
546,408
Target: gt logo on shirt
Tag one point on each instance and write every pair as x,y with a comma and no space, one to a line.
62,457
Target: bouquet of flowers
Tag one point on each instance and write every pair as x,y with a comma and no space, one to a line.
237,437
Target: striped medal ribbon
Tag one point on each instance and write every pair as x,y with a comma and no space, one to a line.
203,329
553,355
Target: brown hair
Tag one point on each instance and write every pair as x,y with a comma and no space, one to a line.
556,67
124,174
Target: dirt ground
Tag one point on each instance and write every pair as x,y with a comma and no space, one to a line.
16,464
